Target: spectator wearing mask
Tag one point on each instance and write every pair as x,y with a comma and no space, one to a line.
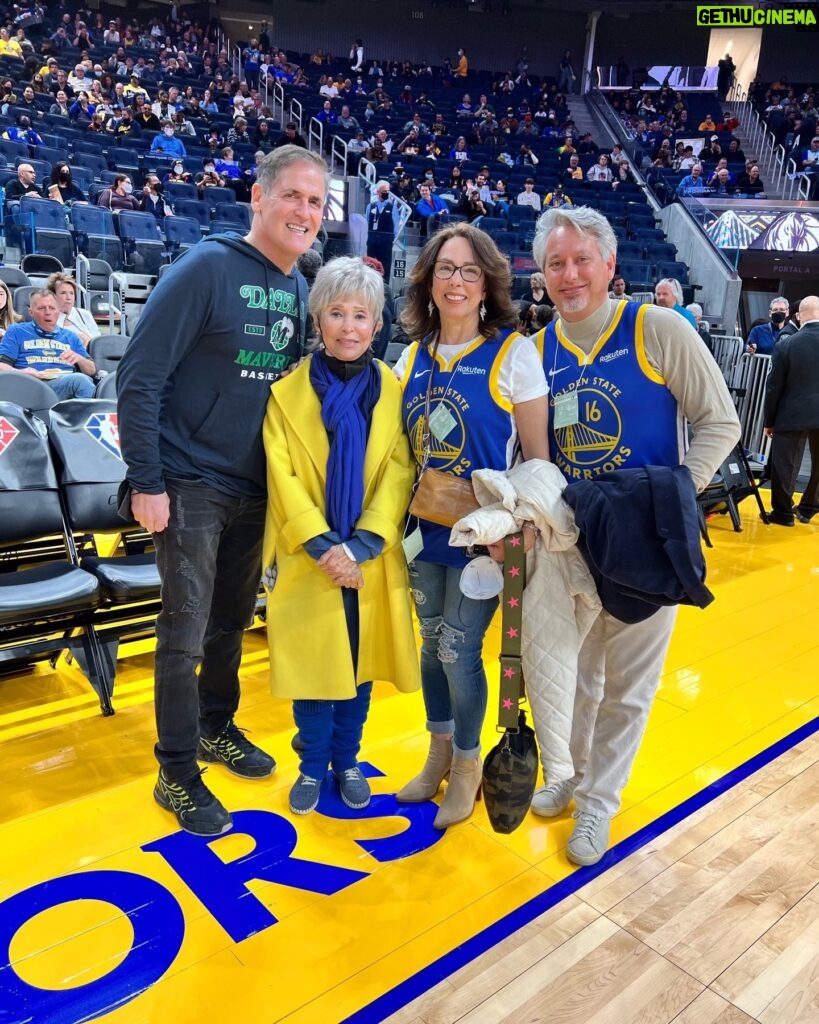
62,188
166,143
763,337
209,177
178,173
120,196
153,198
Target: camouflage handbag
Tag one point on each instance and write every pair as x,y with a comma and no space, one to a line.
510,768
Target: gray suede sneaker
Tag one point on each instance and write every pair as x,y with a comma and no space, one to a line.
590,839
551,800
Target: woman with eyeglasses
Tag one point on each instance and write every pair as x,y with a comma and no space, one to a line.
487,408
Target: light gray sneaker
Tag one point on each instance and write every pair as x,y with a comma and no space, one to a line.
589,840
551,800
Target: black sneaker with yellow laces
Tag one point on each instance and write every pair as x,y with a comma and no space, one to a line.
235,751
196,809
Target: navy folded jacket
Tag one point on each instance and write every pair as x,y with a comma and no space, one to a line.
640,536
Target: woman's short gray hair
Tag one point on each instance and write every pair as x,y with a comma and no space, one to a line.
344,278
583,220
675,287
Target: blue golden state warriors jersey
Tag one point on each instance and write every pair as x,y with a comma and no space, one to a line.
484,435
626,416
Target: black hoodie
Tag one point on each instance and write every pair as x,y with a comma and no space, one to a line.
192,388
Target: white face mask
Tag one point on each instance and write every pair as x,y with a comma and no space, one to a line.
127,188
177,169
482,578
168,132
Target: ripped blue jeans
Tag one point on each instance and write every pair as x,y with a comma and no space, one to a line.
452,673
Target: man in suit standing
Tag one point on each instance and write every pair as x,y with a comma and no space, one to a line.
792,417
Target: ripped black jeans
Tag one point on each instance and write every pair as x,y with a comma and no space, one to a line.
209,560
453,678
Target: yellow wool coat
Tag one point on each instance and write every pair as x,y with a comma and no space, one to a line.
310,656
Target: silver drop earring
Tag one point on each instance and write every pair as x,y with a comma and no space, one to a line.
430,307
482,311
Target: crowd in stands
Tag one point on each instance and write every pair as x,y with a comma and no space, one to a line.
683,150
791,114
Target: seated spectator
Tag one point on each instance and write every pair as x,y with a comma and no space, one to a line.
463,110
125,126
23,132
291,136
735,150
808,166
749,183
536,293
7,314
43,350
263,137
178,173
622,174
526,157
472,206
60,106
574,172
347,121
459,151
720,183
601,170
209,177
587,146
693,183
528,197
238,133
63,188
619,288
119,196
687,160
166,143
153,198
80,321
668,294
429,204
231,171
24,184
707,124
557,197
499,195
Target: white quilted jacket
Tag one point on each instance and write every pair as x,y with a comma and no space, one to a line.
560,601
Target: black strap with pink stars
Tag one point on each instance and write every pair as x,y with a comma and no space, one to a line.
512,690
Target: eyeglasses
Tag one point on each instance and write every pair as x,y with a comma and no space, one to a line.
470,272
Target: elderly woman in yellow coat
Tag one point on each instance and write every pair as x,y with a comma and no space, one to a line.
339,482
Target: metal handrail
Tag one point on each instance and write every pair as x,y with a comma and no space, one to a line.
315,133
278,101
778,167
236,61
790,180
296,111
338,151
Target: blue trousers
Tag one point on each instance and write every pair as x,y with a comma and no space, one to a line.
331,729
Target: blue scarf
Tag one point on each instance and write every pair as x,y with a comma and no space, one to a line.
346,407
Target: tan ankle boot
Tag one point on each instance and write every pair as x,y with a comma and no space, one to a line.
426,785
463,790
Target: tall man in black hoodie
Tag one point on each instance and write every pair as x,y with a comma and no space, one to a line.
222,325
